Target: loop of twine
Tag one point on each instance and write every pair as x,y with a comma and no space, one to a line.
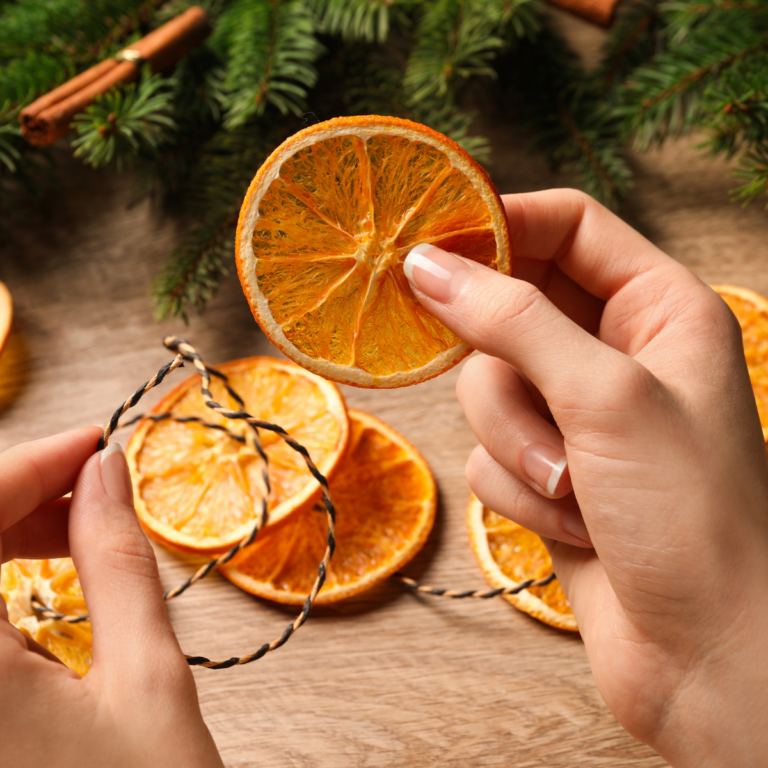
186,352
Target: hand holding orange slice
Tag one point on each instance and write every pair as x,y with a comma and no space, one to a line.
198,490
323,232
54,583
385,499
509,554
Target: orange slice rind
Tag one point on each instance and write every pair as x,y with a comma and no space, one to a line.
385,499
323,232
509,554
6,315
198,490
55,584
751,310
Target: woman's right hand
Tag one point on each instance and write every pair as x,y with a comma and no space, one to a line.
614,356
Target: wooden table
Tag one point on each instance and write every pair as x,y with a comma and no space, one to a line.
390,679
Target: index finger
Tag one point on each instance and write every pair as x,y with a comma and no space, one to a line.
42,470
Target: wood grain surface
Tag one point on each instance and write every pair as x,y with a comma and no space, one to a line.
389,679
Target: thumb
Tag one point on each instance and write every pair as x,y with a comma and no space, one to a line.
512,320
118,570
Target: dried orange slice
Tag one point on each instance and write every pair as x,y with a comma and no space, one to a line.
508,554
323,232
751,310
385,499
6,315
55,584
198,490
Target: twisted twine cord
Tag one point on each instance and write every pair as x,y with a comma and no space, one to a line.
477,593
186,352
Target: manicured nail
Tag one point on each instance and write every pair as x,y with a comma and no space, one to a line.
545,465
436,272
114,474
573,522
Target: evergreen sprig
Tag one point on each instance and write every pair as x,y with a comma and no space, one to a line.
213,196
573,123
271,51
753,168
125,121
663,98
44,42
199,132
367,20
9,150
455,40
634,39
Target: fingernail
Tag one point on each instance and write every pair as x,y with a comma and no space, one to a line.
115,476
573,522
545,465
436,272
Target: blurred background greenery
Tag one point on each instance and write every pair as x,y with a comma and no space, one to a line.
194,136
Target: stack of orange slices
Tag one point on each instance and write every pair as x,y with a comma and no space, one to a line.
199,490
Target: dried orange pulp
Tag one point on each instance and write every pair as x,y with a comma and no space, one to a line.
751,310
55,584
323,232
509,554
198,490
385,499
6,315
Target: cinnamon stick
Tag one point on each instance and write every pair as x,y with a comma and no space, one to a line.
48,118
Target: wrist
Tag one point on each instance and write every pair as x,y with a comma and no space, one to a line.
718,714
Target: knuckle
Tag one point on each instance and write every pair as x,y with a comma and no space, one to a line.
719,320
130,552
507,309
628,388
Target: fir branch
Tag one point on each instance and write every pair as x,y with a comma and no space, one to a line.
124,121
367,20
23,79
44,42
214,194
514,19
663,98
455,40
455,124
192,275
683,17
753,168
9,152
375,87
568,114
270,50
631,42
736,107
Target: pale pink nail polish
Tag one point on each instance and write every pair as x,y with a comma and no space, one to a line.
115,476
436,272
545,465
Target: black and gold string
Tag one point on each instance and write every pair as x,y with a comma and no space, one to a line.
187,353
